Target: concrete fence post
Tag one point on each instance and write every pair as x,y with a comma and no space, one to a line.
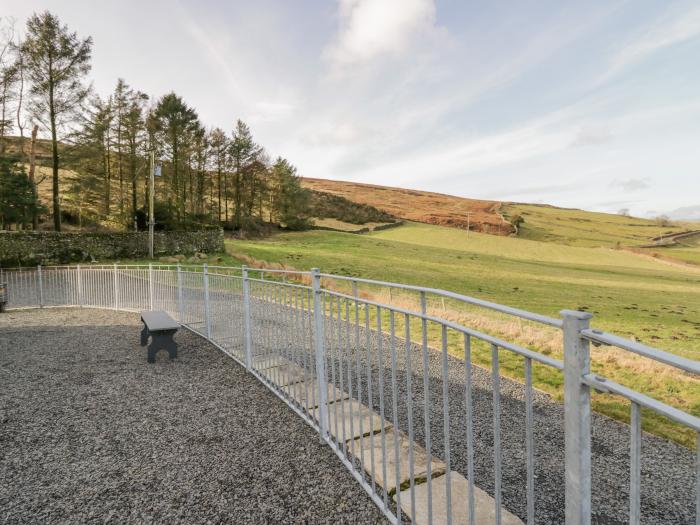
248,339
207,309
180,304
41,286
577,419
116,287
319,348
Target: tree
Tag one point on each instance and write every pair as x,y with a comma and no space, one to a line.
171,121
9,76
135,136
56,61
218,143
243,152
290,204
17,202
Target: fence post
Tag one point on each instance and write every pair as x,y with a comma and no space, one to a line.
577,419
180,305
116,288
207,312
319,348
248,340
80,287
41,287
150,286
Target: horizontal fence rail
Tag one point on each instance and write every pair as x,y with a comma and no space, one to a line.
393,390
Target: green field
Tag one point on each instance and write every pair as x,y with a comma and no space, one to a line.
629,294
585,228
686,251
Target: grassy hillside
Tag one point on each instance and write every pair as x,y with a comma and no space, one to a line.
631,295
541,222
585,228
420,206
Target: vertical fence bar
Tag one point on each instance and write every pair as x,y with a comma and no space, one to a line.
446,424
471,511
207,306
497,452
319,348
426,403
180,304
248,338
79,276
577,419
697,478
116,287
635,462
150,286
41,287
529,444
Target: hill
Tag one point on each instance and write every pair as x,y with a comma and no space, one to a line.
421,206
538,222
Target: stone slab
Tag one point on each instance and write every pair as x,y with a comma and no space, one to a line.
485,507
375,469
355,411
285,374
298,392
263,362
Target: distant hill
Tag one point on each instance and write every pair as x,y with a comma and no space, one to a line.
535,221
421,206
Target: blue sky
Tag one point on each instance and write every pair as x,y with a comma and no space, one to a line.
582,104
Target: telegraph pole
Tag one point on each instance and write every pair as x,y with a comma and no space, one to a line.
469,216
151,191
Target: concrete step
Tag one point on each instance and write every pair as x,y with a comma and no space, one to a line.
375,469
352,412
263,362
285,374
485,506
309,398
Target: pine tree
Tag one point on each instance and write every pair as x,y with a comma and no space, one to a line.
56,62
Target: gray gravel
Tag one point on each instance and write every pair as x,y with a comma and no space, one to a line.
89,432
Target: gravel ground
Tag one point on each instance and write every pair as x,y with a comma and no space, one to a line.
668,470
89,432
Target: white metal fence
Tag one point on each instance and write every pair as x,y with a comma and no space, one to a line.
404,418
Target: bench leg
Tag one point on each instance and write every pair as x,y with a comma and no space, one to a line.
144,336
162,342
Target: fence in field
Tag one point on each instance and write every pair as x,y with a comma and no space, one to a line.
377,381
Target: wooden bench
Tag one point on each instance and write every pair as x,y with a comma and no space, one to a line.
161,328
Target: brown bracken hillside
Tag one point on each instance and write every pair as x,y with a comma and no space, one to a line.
421,206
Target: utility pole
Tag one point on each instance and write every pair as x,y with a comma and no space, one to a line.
469,216
151,191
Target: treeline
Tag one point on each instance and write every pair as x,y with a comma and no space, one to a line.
208,176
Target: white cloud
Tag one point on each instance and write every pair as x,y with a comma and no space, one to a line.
665,33
372,28
633,184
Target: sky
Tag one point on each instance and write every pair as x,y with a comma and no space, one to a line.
592,105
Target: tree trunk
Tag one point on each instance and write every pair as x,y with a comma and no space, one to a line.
32,178
54,155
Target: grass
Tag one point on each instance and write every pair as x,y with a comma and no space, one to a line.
584,228
631,295
343,226
686,251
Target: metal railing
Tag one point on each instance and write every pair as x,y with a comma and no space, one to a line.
405,418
